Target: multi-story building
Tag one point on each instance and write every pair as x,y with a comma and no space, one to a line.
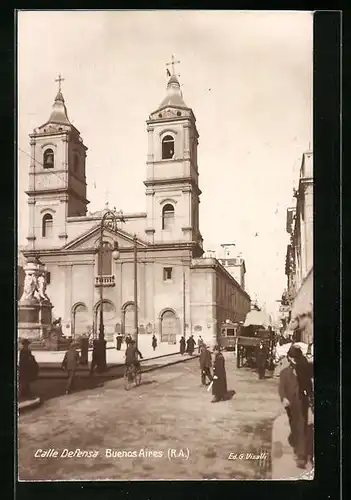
178,291
299,256
234,263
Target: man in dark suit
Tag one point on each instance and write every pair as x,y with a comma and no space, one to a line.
261,359
132,353
205,364
70,364
296,394
28,370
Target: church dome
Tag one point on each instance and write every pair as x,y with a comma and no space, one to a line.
174,95
59,111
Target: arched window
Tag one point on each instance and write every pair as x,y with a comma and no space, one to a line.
167,216
105,259
48,159
167,147
47,226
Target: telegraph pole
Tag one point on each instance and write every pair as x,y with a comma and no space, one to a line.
135,291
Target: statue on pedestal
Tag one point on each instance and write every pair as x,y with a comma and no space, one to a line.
30,286
56,328
41,287
34,285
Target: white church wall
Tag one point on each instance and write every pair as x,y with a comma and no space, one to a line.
202,296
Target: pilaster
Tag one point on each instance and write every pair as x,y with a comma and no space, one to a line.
187,141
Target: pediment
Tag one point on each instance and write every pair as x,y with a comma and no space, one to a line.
91,240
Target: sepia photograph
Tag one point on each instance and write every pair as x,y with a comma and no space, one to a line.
165,245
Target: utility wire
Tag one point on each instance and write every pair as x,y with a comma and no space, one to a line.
47,170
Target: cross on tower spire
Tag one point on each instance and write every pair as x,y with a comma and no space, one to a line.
59,80
172,63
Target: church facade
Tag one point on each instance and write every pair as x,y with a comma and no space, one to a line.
179,292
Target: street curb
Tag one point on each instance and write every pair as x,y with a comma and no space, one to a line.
86,367
108,376
30,404
183,360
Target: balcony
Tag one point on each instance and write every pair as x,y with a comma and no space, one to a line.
108,280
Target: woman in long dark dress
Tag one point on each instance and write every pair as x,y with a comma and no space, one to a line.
190,345
182,345
219,388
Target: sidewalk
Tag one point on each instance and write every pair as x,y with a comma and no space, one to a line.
29,403
53,371
283,463
113,357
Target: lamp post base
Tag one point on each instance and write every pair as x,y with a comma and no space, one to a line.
100,355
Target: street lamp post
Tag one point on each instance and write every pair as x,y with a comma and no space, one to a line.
135,290
108,220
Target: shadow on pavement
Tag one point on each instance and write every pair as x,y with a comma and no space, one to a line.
53,385
47,389
230,394
147,382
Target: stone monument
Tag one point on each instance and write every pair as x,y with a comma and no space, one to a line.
34,307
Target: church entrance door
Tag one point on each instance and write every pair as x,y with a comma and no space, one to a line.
109,318
80,320
168,327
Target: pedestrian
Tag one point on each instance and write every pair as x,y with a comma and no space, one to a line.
182,345
154,342
119,339
132,355
261,360
84,349
28,371
128,339
205,364
95,357
70,363
190,345
296,394
200,343
219,387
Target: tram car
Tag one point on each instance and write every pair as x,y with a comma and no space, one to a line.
248,343
228,335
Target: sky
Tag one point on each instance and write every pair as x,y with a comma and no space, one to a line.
247,75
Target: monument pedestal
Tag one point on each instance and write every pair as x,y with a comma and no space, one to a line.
35,310
56,342
34,319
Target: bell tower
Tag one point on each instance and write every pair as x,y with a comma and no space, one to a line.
57,178
172,189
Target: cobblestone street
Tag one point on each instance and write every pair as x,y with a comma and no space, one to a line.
170,410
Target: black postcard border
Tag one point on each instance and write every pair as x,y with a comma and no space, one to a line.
327,158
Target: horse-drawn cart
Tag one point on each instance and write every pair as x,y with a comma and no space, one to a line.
248,343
